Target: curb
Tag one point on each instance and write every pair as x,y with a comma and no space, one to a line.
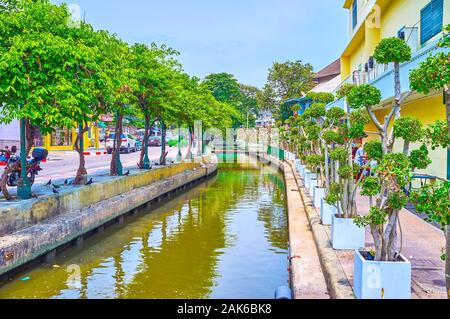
95,153
338,284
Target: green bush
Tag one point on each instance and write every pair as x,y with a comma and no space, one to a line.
392,50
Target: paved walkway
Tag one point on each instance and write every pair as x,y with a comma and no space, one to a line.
422,245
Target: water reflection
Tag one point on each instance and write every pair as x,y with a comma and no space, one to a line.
226,238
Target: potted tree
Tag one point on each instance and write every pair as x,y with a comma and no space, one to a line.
384,272
434,74
339,208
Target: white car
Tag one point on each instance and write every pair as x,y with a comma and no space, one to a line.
128,143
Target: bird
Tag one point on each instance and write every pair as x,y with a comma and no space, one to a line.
48,183
127,173
90,182
55,191
56,186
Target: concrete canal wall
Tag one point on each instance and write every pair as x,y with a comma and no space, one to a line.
36,228
306,276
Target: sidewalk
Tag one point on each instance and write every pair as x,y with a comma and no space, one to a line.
422,245
63,165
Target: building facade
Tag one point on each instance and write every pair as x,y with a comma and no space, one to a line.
420,24
9,134
61,139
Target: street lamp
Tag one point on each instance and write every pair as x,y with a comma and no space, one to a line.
24,187
179,155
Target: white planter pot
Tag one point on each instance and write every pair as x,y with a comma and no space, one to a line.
327,212
305,173
381,279
309,177
345,235
319,194
312,184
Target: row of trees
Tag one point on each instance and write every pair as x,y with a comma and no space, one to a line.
323,139
55,72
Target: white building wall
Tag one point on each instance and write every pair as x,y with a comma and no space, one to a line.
9,134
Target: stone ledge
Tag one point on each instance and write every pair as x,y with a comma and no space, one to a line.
338,284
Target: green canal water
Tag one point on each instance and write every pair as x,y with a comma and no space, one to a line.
225,238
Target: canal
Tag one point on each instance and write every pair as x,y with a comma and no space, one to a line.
225,238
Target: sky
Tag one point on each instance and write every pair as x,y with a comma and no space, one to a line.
241,37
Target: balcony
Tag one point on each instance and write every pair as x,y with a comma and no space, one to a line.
382,75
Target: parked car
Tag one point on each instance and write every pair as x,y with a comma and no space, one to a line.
128,143
154,141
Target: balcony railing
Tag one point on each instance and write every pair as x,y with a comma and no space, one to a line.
382,75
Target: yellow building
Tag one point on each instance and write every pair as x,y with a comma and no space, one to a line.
419,23
63,139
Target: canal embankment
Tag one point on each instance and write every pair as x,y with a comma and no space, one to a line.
34,229
308,281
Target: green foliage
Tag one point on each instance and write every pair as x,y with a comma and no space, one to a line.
364,95
334,193
397,200
317,110
434,72
290,79
370,186
434,200
313,132
335,114
357,131
321,97
409,129
394,170
437,134
314,161
419,158
376,216
392,50
339,154
359,117
344,90
374,150
330,137
345,172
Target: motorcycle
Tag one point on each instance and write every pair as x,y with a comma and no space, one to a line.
33,165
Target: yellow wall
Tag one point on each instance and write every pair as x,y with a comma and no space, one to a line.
86,140
428,110
395,14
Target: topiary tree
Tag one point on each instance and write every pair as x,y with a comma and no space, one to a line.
410,130
434,74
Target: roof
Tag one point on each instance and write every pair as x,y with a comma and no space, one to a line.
328,86
332,69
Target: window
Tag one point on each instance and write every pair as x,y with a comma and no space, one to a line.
431,20
355,13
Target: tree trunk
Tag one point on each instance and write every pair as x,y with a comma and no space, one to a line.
116,146
30,131
162,160
81,177
147,128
